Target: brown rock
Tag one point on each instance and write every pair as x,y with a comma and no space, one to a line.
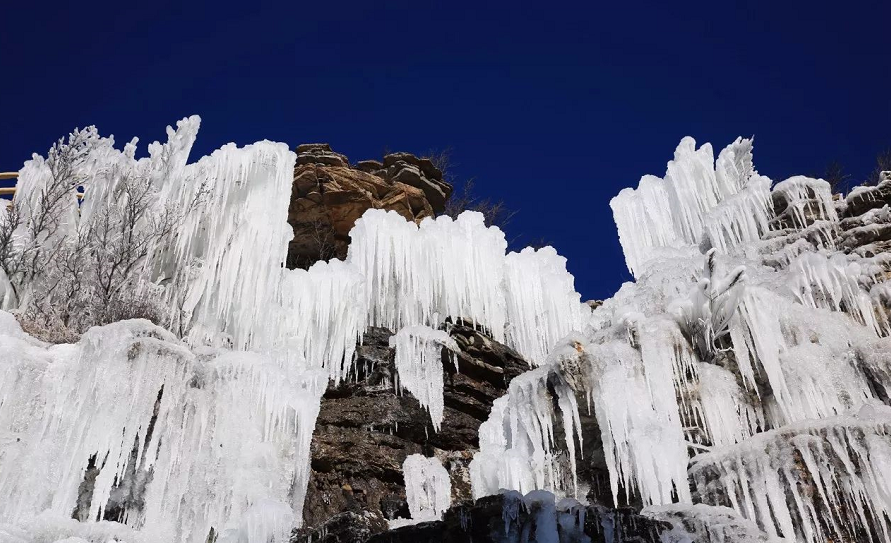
370,166
329,195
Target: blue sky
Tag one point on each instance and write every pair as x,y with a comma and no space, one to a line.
553,107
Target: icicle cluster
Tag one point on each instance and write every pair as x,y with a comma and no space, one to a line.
129,425
725,201
702,523
517,443
419,366
781,337
174,443
808,481
637,409
444,268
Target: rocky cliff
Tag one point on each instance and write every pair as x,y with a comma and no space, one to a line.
366,429
329,194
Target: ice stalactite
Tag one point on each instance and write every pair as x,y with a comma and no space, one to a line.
639,419
458,269
805,200
419,275
322,317
225,267
517,442
643,219
742,218
809,481
726,414
266,520
833,283
428,489
804,354
542,304
419,366
698,197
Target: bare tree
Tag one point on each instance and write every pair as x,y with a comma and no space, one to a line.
30,227
322,235
835,175
496,211
883,164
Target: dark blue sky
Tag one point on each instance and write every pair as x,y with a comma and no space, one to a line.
553,107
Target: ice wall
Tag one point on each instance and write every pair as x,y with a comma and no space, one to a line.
745,323
781,341
130,425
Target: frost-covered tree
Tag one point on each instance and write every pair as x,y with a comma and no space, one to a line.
69,266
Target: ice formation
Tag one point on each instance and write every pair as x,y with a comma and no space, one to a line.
419,366
180,439
788,339
702,523
428,489
727,375
518,443
745,322
130,425
808,481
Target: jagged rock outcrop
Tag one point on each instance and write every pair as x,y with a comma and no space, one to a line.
329,195
366,429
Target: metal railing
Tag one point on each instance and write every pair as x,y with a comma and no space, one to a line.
10,191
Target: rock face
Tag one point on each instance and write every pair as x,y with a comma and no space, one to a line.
329,195
365,430
866,219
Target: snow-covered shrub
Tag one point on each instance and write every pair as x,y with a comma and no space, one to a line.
704,315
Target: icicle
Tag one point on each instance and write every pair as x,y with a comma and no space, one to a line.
806,200
742,218
542,304
421,275
702,523
419,366
665,215
172,443
641,431
832,283
323,316
726,415
517,441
